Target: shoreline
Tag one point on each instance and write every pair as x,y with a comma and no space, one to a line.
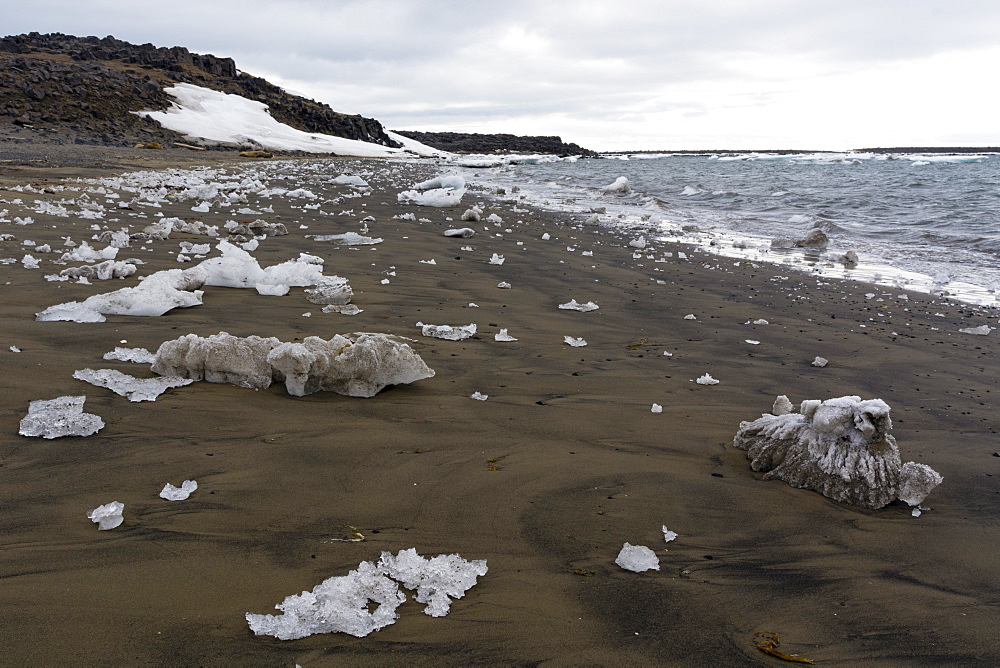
552,473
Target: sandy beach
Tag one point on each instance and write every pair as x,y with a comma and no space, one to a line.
545,480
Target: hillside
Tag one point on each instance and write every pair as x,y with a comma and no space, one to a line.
64,89
462,142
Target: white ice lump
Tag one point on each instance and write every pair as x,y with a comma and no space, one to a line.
171,493
63,416
637,558
107,516
840,448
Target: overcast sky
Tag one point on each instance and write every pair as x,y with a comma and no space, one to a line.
609,75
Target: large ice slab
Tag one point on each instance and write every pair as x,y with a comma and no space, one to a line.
840,448
134,389
62,416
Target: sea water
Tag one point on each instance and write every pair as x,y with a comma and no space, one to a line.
924,222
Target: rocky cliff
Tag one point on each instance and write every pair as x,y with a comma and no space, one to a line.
458,142
67,89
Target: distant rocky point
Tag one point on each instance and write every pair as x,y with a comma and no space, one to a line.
461,142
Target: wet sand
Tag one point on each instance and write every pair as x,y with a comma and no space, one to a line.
561,465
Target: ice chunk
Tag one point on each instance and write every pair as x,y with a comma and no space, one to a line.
347,239
574,342
472,215
63,416
358,368
782,406
546,236
276,290
690,316
220,358
816,238
452,181
336,605
437,580
503,285
331,290
572,305
137,355
657,408
820,362
916,481
345,309
351,180
840,448
107,516
502,335
436,197
620,185
479,396
706,380
637,558
171,493
638,242
668,535
449,332
463,232
761,322
102,271
497,259
982,330
135,389
84,253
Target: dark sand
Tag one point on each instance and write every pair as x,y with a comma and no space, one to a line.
560,466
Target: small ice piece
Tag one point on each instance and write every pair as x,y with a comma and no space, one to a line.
638,242
575,342
15,349
473,305
336,605
782,406
344,309
63,416
752,342
479,396
573,305
462,232
497,259
707,380
657,408
761,322
107,516
916,512
982,330
135,389
437,580
430,261
137,355
668,535
667,354
546,236
171,493
346,239
384,281
819,362
637,558
448,332
690,316
503,336
503,285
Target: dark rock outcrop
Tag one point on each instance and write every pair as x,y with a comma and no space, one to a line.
458,142
82,89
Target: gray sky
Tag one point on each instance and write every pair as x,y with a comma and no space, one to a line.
609,75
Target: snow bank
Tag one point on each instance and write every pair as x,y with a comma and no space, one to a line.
840,448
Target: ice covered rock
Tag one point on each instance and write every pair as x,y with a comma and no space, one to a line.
135,389
171,493
330,290
448,332
637,558
220,358
336,605
154,296
63,416
102,271
573,305
107,516
437,579
462,232
840,448
358,368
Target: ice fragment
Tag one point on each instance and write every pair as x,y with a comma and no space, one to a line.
637,558
63,416
171,493
107,516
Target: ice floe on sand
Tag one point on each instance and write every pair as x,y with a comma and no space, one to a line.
134,389
62,416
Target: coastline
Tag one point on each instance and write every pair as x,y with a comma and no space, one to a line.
561,465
